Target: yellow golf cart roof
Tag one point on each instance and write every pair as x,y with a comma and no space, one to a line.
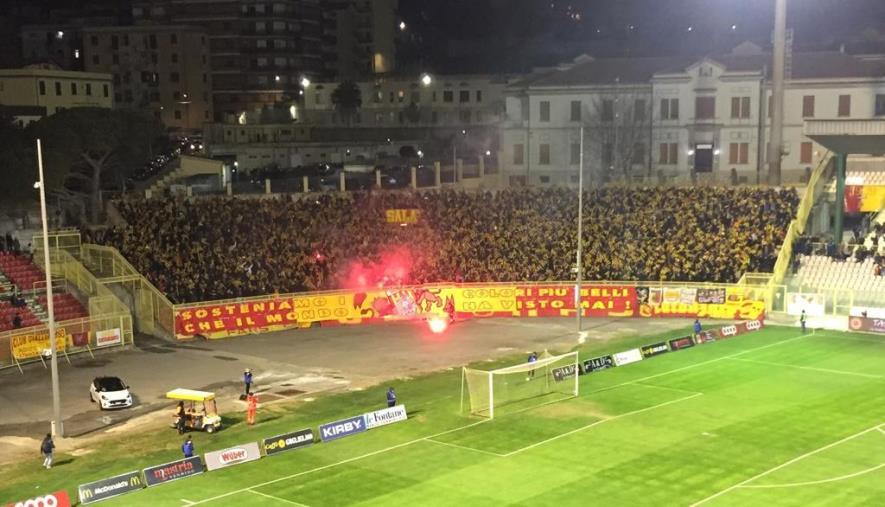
190,395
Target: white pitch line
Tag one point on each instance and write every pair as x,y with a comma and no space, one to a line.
474,449
811,368
332,465
290,502
702,363
582,428
186,502
882,431
822,481
785,464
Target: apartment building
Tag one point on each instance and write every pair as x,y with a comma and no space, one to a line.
161,68
36,91
365,34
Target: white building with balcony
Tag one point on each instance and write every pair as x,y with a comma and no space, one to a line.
679,118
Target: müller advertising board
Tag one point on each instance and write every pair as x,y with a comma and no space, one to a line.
168,472
232,456
287,441
627,357
92,492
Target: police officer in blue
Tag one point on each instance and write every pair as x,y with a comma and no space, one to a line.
247,383
697,327
391,397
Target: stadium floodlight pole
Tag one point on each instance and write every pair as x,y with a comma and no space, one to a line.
57,428
775,147
578,309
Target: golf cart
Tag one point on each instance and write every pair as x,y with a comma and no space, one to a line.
206,419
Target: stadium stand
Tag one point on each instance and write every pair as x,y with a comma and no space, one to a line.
65,307
19,270
8,312
216,247
823,272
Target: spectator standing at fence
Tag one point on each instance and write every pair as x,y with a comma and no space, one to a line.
251,408
533,357
391,397
46,449
17,321
247,382
802,321
188,448
697,328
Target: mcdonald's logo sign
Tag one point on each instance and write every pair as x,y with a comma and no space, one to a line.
110,487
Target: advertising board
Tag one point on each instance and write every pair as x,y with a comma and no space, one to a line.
866,325
654,349
599,363
627,357
108,337
385,416
26,346
343,428
232,456
168,472
867,312
57,499
741,328
287,441
92,492
681,343
564,372
706,336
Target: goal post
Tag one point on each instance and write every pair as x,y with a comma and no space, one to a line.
520,387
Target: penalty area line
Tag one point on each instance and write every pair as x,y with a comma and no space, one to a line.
332,465
822,481
278,499
596,423
786,464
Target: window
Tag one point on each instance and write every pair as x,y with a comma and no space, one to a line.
518,154
96,60
464,96
740,107
738,153
173,77
544,154
808,106
115,59
448,96
434,96
880,105
125,39
173,38
115,42
94,40
174,57
844,105
105,90
544,179
638,154
805,153
89,89
177,114
705,108
576,111
154,58
608,110
479,95
152,39
57,88
544,106
127,96
42,87
73,88
639,110
464,116
669,154
575,158
669,109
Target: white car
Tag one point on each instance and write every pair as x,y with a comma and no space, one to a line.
110,392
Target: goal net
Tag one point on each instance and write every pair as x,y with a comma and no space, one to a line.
520,387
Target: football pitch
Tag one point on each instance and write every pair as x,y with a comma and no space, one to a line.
768,418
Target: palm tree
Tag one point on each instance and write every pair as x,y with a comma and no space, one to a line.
347,99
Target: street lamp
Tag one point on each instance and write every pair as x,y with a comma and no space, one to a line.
305,82
426,80
402,26
57,428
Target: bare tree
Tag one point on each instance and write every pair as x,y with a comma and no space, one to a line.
617,126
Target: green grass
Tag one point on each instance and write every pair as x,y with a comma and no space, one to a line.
769,418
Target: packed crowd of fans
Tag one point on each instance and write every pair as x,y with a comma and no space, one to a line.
216,248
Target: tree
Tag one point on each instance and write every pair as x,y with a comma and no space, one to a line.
347,99
84,146
18,172
618,134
